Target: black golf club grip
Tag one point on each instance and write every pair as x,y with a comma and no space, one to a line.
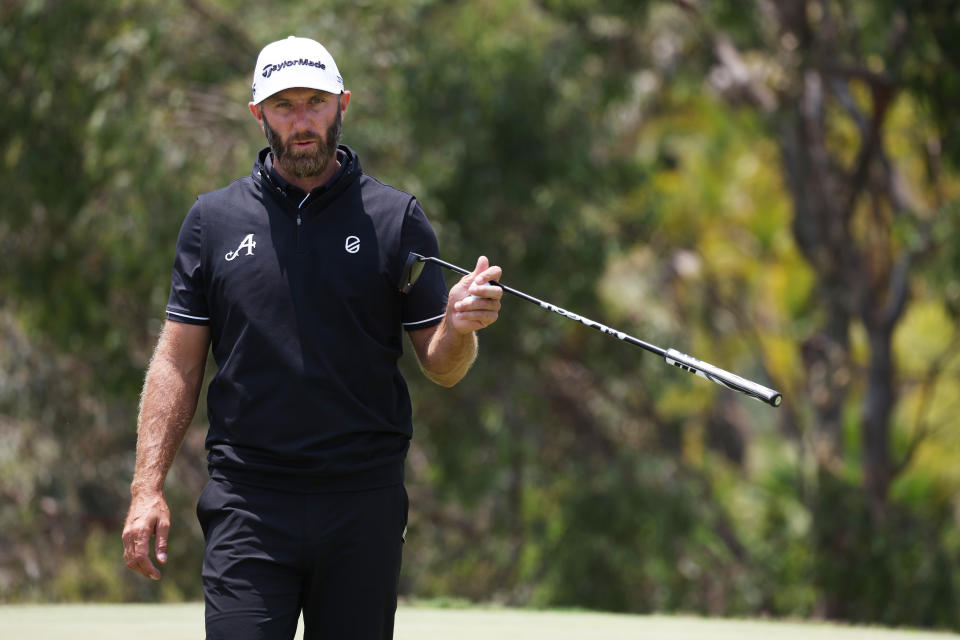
724,378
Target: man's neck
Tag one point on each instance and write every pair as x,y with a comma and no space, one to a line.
308,183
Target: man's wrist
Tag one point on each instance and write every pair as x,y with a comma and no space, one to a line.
142,489
451,355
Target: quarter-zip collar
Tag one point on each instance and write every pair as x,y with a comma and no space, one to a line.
293,196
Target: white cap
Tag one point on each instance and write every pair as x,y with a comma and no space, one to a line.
294,62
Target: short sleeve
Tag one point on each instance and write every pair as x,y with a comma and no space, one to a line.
188,301
426,302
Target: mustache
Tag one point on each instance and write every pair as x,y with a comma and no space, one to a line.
304,136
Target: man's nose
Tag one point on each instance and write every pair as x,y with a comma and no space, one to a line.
301,117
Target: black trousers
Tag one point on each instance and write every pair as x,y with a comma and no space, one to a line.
270,555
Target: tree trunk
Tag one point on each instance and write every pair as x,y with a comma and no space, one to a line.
878,405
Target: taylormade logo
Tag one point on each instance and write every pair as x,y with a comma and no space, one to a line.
270,68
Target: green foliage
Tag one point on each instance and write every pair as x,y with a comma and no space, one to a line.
628,541
893,568
96,575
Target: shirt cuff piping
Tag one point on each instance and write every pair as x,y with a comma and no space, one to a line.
419,323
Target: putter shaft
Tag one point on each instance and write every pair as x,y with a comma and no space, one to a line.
671,356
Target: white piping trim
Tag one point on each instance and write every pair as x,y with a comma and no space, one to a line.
183,315
410,324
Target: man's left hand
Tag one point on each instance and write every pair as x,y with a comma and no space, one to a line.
472,303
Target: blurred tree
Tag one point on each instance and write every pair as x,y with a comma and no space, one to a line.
101,151
834,84
827,79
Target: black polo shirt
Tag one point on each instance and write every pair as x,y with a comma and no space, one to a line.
300,293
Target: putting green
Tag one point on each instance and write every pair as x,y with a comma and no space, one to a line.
170,622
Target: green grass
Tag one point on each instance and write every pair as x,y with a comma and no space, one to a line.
171,622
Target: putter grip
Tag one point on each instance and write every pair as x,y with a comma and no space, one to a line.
724,378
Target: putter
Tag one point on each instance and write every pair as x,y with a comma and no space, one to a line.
414,267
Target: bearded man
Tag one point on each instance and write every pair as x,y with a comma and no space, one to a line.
290,275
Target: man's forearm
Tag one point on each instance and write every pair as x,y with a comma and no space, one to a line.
169,399
167,406
450,355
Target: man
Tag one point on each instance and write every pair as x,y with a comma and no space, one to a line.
291,274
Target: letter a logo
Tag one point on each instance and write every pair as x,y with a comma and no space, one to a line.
247,244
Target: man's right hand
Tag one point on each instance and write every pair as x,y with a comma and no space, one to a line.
148,517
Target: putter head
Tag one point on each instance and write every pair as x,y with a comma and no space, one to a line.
412,269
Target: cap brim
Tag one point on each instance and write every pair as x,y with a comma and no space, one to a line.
335,91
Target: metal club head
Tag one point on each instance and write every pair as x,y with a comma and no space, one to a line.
412,269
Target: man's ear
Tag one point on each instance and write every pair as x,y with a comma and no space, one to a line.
257,112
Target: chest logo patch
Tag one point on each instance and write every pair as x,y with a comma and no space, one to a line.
352,244
248,243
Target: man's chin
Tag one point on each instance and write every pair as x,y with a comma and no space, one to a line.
303,167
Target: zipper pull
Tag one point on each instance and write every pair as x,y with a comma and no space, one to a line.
299,220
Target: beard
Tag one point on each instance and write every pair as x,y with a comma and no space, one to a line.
306,163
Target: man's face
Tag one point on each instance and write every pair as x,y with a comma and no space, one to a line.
292,122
